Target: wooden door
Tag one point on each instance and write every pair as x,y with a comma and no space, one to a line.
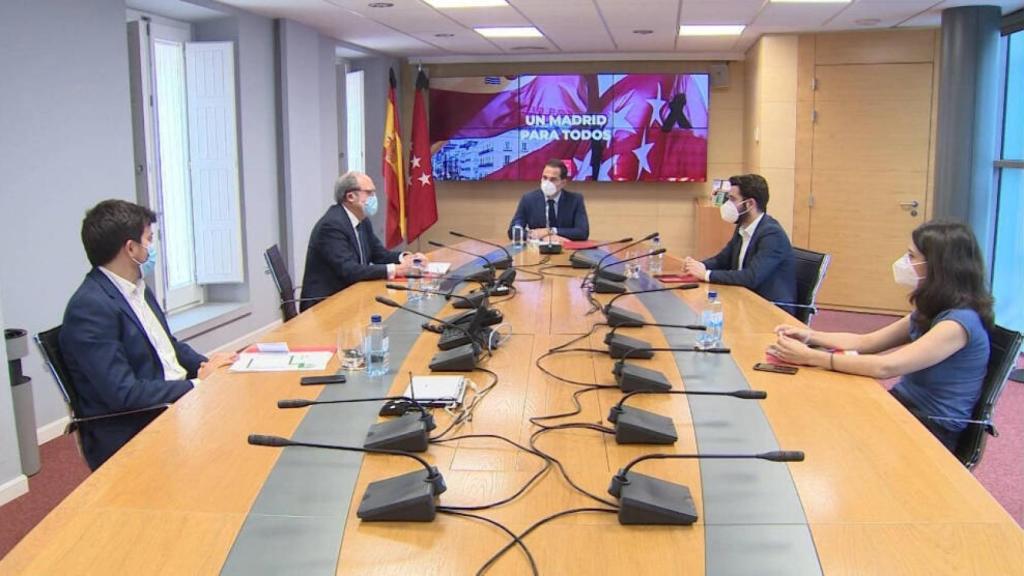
869,167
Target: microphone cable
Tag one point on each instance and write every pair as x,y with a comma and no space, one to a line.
501,552
515,539
533,479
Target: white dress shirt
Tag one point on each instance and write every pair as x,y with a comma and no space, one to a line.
746,233
359,243
135,295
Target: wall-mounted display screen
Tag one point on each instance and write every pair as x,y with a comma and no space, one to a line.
606,127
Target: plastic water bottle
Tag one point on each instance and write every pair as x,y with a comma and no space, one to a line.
713,319
654,266
377,347
413,281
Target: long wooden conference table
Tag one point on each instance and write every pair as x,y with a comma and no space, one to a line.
876,494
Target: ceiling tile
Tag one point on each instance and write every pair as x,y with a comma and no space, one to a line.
795,17
574,25
719,11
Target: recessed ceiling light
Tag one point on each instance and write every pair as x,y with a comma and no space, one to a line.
711,30
510,32
643,31
466,3
444,35
528,48
867,22
810,1
381,4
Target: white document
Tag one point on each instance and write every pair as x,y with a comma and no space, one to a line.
278,362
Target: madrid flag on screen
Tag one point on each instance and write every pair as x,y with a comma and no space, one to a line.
394,177
421,211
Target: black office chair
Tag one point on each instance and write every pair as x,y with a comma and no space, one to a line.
1004,345
811,267
283,280
49,345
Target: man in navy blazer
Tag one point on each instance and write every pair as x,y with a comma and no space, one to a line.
759,255
552,211
115,341
343,249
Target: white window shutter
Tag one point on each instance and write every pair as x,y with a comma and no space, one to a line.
213,157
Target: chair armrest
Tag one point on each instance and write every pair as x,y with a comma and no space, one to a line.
989,425
77,421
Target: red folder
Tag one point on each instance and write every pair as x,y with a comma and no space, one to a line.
578,244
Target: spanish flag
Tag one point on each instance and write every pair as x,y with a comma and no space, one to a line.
394,176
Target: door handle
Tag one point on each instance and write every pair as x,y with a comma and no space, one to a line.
911,204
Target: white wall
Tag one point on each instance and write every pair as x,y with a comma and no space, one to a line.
65,144
309,137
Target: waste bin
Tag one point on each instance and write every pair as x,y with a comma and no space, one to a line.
24,407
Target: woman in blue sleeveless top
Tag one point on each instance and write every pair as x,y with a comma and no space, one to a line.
940,349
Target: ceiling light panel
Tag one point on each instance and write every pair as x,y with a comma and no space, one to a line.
711,29
510,32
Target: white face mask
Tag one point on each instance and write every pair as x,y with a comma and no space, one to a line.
903,272
729,212
548,188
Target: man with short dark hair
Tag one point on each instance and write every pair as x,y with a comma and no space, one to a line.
115,340
343,249
759,255
551,211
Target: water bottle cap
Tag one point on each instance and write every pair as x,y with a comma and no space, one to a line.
417,261
712,294
375,319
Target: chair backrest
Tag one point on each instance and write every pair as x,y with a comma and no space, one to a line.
1004,345
283,281
49,345
810,273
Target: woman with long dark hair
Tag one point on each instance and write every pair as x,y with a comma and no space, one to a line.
940,349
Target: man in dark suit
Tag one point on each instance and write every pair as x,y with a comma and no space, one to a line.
552,211
343,249
115,341
759,255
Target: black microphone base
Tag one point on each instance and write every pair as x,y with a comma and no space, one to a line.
619,346
490,317
410,497
502,263
408,433
648,500
633,378
474,299
636,426
606,286
485,276
620,317
550,248
609,274
461,359
583,259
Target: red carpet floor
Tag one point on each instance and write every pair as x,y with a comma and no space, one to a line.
1001,470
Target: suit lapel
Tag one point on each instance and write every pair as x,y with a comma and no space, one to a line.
126,308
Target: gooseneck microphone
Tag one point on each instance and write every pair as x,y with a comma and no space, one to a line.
636,426
410,497
620,277
621,317
487,263
648,500
499,264
603,284
475,300
459,359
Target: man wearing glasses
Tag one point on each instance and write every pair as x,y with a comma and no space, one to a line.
343,248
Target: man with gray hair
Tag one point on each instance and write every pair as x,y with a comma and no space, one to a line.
343,249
